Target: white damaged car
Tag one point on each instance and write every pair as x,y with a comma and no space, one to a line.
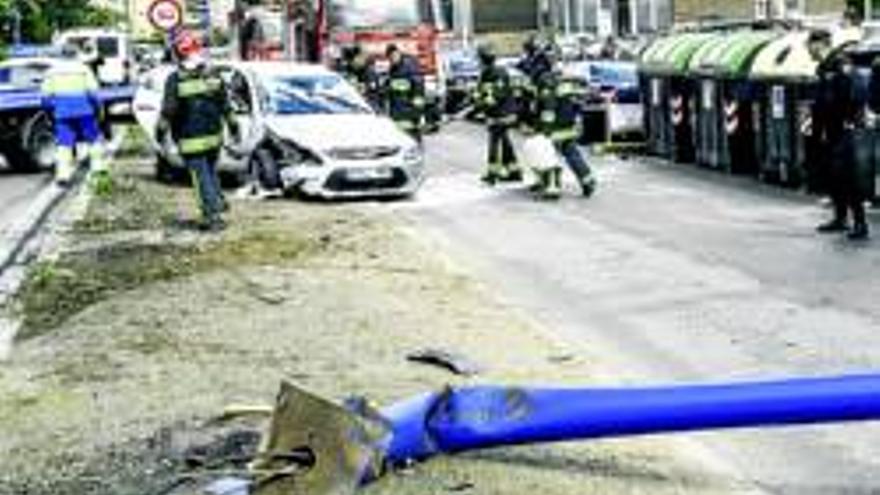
303,128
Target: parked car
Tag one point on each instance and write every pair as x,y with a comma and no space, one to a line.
611,87
462,75
304,128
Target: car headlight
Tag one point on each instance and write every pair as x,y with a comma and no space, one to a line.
412,155
291,154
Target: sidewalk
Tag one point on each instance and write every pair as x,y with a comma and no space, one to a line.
143,330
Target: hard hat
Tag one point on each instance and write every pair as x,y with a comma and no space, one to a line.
486,54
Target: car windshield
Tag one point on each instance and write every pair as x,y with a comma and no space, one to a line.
313,94
363,14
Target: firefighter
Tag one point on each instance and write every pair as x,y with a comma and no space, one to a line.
535,60
534,64
70,91
360,70
194,109
496,100
837,116
558,108
405,92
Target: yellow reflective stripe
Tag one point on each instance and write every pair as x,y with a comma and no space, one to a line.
406,125
567,89
69,83
401,85
419,102
564,135
548,116
193,87
200,144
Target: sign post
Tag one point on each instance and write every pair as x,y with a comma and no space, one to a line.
166,16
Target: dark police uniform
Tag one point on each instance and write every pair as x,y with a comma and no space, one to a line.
497,101
194,109
405,94
558,108
837,117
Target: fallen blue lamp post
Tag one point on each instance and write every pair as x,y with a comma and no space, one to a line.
352,445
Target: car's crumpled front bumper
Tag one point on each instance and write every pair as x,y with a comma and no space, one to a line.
354,179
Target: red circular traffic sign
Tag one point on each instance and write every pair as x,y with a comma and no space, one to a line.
165,15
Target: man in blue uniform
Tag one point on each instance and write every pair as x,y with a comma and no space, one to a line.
194,110
70,91
405,92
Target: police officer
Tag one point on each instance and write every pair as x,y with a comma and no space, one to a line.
405,92
558,108
360,70
194,109
70,91
837,115
497,101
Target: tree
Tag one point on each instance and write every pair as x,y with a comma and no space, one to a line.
41,18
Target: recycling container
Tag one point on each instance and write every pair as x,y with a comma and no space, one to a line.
724,120
784,77
667,91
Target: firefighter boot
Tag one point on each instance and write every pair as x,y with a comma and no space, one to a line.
554,183
588,186
512,173
494,174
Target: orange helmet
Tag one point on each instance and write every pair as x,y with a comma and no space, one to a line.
186,44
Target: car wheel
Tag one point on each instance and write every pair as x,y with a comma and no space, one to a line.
264,170
37,149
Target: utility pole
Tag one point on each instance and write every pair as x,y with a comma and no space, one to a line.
16,24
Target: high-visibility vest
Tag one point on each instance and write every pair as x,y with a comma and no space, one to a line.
70,90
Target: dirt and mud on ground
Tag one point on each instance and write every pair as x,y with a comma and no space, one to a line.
142,330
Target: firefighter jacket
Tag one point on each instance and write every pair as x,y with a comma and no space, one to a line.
194,108
70,90
558,107
496,96
406,93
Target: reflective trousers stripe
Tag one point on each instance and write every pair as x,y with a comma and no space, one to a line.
194,145
564,135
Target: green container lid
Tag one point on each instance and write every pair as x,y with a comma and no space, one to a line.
670,56
785,59
733,57
708,53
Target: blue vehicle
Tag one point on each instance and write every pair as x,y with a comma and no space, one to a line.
462,74
612,101
27,137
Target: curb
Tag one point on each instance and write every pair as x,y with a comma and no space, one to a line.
15,242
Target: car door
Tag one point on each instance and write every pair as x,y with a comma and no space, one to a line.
245,105
147,103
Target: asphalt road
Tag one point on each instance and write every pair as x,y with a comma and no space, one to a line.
17,192
675,274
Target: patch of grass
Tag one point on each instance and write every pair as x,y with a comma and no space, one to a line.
129,205
56,291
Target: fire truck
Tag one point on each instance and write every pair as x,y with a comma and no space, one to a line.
318,30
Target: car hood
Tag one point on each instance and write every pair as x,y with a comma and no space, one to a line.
320,133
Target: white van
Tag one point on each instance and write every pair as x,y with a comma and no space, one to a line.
114,49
